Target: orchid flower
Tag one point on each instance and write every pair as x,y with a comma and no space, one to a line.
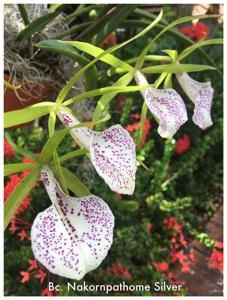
72,236
201,94
166,104
112,152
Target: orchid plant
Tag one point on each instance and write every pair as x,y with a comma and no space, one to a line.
73,235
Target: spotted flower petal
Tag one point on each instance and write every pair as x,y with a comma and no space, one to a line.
74,242
112,153
114,158
201,94
82,135
166,104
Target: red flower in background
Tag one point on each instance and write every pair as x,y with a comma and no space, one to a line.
196,32
149,226
33,264
136,125
178,242
161,267
119,270
8,150
41,275
35,270
111,40
183,144
25,276
9,188
46,292
22,235
201,31
216,259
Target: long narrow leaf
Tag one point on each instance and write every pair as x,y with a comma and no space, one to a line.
177,68
194,47
30,113
63,93
37,25
120,14
96,51
62,48
18,149
164,30
18,194
105,90
15,168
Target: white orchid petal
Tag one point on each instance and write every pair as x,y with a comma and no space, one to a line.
77,243
113,155
201,94
79,134
166,104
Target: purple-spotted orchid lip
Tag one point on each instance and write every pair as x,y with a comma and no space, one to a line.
73,235
201,94
166,105
112,152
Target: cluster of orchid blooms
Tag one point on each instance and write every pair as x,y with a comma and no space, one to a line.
73,235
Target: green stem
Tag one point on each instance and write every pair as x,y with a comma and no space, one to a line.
72,154
151,58
59,173
92,30
73,29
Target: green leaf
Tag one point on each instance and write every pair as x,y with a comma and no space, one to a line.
15,168
30,113
63,93
11,86
37,25
194,47
121,12
55,140
105,90
62,48
176,68
58,7
105,99
96,51
23,13
19,150
107,22
74,184
18,194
